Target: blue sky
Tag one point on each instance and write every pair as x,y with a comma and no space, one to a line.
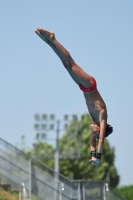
99,36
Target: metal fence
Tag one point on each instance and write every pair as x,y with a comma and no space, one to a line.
43,183
17,167
97,190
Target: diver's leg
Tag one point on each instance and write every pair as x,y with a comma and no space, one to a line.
74,70
93,146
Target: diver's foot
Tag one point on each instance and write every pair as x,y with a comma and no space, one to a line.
44,34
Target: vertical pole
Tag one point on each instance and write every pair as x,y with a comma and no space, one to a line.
20,192
60,192
57,149
104,191
57,160
79,191
108,178
83,191
29,178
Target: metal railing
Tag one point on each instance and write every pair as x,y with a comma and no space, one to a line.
42,182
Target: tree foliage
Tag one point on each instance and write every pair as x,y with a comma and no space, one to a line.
125,191
44,153
75,154
80,168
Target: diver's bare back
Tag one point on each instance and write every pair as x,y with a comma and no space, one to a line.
95,105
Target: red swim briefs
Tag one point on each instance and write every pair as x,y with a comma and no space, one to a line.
93,87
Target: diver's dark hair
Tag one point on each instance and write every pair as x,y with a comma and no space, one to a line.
109,130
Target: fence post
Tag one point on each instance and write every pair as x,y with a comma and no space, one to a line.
79,191
20,193
24,193
30,178
83,191
105,189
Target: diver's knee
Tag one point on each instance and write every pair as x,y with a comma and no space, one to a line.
69,63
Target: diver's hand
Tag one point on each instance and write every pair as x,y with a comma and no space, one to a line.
95,162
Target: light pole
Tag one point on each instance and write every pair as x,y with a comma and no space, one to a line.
57,153
30,176
43,125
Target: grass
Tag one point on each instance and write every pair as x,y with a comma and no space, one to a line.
8,195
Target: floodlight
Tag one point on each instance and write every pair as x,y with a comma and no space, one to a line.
43,135
44,126
44,116
51,126
37,136
74,117
52,116
66,117
37,117
36,126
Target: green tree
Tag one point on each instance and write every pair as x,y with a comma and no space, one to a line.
125,191
77,136
44,153
80,168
